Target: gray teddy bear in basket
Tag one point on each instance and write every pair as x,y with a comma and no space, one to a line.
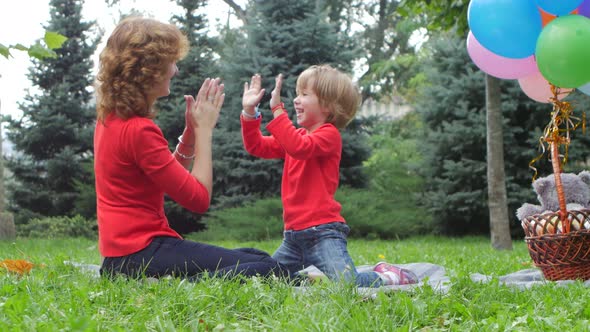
576,188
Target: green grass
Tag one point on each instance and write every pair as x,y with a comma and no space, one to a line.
60,297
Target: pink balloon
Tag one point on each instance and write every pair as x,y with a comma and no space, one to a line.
497,65
537,88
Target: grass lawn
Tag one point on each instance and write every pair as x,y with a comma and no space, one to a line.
60,297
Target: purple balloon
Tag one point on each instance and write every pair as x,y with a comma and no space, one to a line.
584,8
497,65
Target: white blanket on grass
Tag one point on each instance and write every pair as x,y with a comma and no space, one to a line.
428,274
435,276
523,279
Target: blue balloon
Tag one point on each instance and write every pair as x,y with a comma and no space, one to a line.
509,28
558,7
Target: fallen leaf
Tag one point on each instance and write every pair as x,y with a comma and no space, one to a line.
19,266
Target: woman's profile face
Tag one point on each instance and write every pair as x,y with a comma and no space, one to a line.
162,89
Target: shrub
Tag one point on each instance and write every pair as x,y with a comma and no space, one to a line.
260,220
369,214
373,214
393,206
59,227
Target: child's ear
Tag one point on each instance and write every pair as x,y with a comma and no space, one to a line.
332,110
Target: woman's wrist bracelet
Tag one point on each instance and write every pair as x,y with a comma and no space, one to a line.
279,106
183,156
183,143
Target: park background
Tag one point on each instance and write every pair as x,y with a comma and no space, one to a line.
416,159
415,180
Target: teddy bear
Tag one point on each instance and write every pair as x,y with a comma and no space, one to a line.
576,188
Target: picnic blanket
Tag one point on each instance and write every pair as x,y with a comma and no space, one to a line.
523,279
429,274
435,276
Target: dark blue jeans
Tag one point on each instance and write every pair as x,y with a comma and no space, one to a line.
192,260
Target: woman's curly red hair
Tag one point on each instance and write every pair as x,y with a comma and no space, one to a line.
135,58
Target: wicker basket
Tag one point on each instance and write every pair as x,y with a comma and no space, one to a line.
559,242
561,251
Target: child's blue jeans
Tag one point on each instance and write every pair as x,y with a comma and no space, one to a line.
323,246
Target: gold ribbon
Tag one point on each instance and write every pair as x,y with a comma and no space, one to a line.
558,130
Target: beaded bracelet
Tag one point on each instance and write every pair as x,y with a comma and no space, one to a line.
183,156
255,116
183,143
279,106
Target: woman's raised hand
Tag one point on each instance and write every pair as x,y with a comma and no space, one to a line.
188,135
207,106
252,94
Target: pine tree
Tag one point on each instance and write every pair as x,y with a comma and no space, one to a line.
192,71
280,37
454,146
7,228
53,138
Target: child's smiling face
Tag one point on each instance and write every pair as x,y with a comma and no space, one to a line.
310,114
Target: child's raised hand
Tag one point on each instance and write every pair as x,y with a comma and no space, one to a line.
252,94
275,95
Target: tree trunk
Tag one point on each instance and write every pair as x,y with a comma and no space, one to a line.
2,205
497,201
7,228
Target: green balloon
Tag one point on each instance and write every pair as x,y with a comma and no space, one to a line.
563,51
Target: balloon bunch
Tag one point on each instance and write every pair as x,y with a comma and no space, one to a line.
538,42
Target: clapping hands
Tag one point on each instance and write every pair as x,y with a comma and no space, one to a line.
252,94
204,111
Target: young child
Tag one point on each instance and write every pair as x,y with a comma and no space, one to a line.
315,232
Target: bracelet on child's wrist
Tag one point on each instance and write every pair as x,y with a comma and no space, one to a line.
183,143
183,156
279,106
250,116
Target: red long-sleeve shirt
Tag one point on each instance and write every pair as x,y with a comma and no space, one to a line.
311,171
134,168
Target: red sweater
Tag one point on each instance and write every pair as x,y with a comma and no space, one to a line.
134,168
311,171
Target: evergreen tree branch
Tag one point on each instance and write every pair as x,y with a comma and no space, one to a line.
240,12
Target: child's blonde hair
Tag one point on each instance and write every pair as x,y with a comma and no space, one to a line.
335,91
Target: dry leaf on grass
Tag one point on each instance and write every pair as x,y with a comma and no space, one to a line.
19,266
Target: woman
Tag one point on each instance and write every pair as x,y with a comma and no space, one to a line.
134,168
